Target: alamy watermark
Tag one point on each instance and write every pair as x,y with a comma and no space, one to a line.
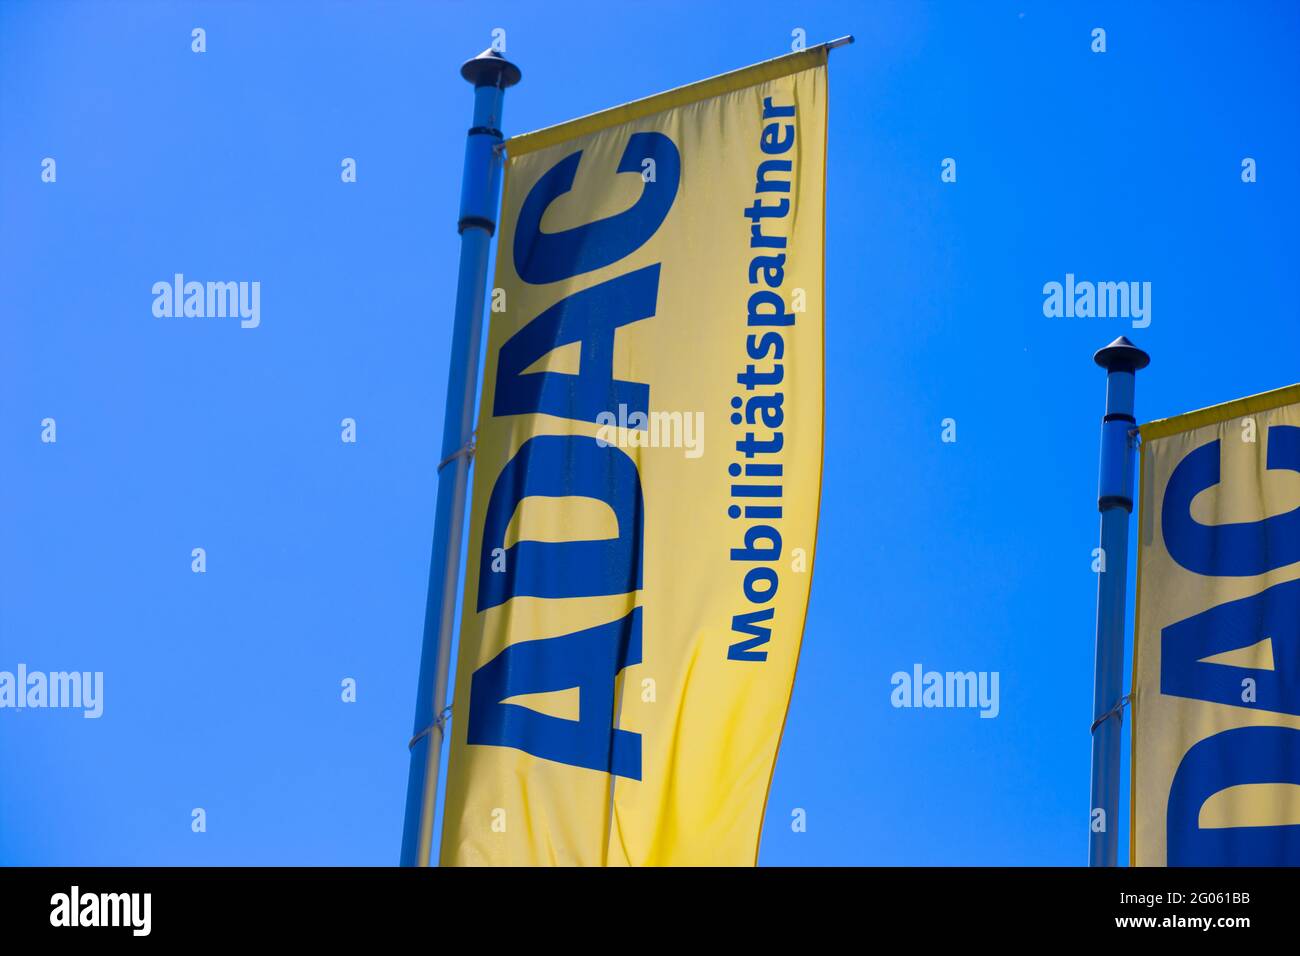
133,911
76,690
208,300
683,430
922,688
1073,299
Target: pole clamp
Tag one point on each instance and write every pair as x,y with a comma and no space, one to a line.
1117,712
440,722
466,451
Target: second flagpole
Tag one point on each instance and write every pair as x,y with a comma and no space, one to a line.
1121,360
491,74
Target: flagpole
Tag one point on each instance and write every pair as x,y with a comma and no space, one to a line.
491,74
1121,360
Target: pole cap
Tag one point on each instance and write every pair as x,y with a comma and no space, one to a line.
1122,356
490,68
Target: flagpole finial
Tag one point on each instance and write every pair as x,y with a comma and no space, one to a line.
490,68
1122,356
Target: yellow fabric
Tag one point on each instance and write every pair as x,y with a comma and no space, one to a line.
708,725
1167,726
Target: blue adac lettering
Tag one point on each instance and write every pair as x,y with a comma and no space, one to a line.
588,660
1274,614
1230,550
572,466
542,257
591,316
564,466
1245,755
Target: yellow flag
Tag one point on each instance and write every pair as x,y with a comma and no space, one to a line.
1216,673
646,479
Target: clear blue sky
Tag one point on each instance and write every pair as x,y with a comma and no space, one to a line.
223,689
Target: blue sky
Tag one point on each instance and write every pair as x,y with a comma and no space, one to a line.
222,689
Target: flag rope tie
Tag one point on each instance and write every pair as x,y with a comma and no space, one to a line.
1117,712
465,451
440,722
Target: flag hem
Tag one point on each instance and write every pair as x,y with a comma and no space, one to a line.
747,76
1264,401
1134,701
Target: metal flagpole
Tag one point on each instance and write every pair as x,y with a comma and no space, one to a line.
491,74
1121,360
